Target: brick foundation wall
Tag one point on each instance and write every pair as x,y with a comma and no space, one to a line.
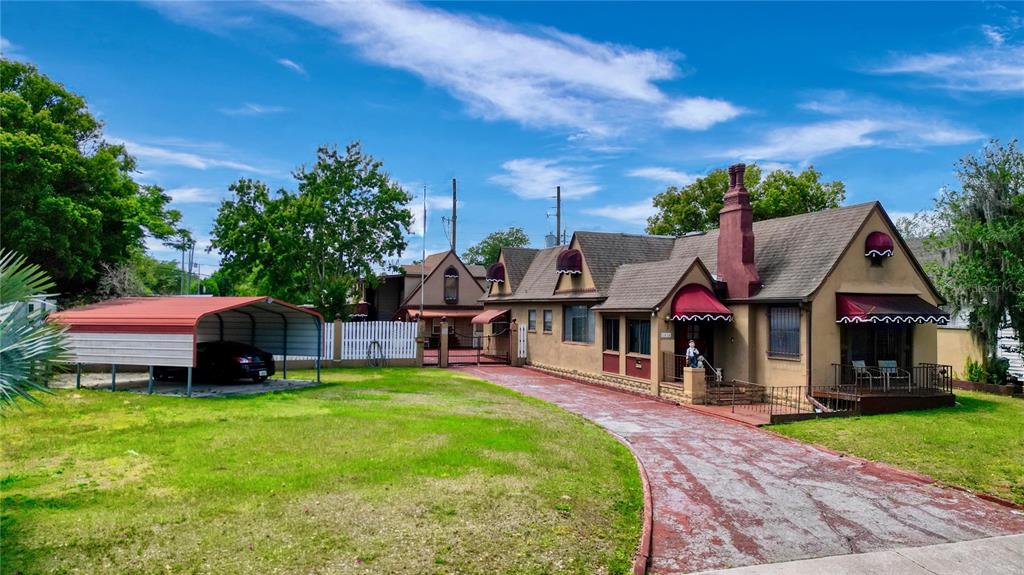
605,379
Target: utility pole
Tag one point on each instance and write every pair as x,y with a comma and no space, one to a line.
558,215
182,289
455,216
191,258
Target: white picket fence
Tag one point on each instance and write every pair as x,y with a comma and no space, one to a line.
393,339
522,342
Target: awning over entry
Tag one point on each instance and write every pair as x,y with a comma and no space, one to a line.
885,308
438,313
489,316
694,302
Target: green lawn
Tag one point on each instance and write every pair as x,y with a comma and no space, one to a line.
979,444
377,471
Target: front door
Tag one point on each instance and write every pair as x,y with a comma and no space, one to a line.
703,336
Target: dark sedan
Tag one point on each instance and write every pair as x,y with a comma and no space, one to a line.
224,361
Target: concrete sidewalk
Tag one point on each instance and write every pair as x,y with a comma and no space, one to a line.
992,556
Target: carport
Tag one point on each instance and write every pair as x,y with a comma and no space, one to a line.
164,331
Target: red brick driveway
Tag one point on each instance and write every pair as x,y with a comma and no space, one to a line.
726,494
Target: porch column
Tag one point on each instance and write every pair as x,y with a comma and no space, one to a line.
655,354
622,344
694,386
421,340
442,358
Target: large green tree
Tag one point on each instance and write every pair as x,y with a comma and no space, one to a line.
982,226
346,220
68,197
486,252
782,193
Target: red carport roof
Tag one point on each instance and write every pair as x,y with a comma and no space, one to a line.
160,314
489,316
694,302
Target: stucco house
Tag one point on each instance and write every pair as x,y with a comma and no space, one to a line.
827,298
451,289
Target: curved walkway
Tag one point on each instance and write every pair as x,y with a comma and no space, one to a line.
728,495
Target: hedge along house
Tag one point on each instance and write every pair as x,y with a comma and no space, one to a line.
829,298
165,330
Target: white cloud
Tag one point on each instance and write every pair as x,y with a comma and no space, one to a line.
808,141
994,34
250,109
998,68
293,66
855,122
9,49
538,77
632,214
536,178
663,175
193,195
167,155
700,113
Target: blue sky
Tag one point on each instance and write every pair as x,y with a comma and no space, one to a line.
611,101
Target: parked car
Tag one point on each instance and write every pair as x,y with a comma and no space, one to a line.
224,361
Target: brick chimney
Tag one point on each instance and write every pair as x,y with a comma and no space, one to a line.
736,239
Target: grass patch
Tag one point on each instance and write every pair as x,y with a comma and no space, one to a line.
376,471
978,444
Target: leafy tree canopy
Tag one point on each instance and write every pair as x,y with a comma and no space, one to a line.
782,193
346,219
486,252
69,200
982,226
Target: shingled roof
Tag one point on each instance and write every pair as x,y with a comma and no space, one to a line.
604,253
434,259
517,261
643,286
793,256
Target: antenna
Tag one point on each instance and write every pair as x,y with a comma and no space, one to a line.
558,214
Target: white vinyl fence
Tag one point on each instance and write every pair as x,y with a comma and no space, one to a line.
522,342
392,339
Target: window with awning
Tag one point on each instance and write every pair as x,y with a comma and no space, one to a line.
496,273
887,308
570,262
878,245
694,302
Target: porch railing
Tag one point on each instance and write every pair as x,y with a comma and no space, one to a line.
673,364
790,400
924,378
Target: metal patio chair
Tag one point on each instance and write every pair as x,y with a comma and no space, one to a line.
893,374
862,373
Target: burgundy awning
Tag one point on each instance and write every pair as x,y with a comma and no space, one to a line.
570,262
694,302
362,310
881,308
878,244
489,316
496,273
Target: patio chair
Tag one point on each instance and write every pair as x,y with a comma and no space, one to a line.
893,374
862,373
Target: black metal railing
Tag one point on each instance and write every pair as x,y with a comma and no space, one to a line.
922,379
672,366
794,400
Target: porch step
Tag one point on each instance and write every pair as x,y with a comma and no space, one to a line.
729,395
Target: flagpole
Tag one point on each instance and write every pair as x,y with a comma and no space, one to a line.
423,256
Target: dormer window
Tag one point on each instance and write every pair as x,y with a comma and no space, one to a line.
496,273
570,262
451,285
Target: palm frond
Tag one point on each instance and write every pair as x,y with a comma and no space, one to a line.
30,348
